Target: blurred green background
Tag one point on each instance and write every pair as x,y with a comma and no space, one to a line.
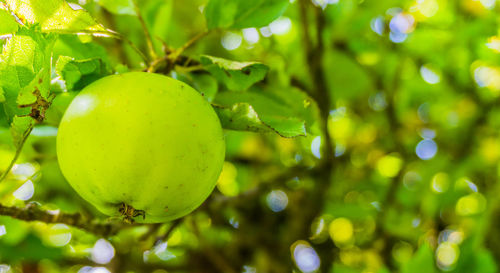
398,170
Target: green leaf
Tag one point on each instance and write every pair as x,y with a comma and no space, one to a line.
7,23
264,111
242,117
237,76
80,73
24,56
73,46
27,94
118,6
277,106
55,16
243,13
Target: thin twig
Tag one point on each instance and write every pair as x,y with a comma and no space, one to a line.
175,57
314,53
149,40
191,42
113,34
187,69
18,152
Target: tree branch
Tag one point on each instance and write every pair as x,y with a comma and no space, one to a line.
34,213
314,53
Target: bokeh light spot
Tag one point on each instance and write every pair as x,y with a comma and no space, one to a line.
427,8
25,192
429,75
440,183
251,35
306,258
397,37
277,200
162,252
427,133
341,230
265,31
377,25
402,23
231,40
90,269
489,4
281,26
58,235
426,149
411,180
4,268
471,204
24,170
389,166
324,3
494,44
227,183
488,76
447,255
316,147
249,269
377,101
102,252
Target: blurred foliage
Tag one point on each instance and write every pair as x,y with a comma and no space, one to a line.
362,136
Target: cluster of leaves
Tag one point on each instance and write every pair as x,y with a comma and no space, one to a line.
361,140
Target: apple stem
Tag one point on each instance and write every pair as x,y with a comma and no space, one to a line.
128,212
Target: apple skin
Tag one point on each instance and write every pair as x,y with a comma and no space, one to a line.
141,139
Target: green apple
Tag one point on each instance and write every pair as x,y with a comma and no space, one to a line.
141,144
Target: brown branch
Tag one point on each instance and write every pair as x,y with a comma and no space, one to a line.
34,213
166,64
314,53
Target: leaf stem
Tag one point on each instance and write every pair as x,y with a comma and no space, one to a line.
149,40
18,152
191,42
117,35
